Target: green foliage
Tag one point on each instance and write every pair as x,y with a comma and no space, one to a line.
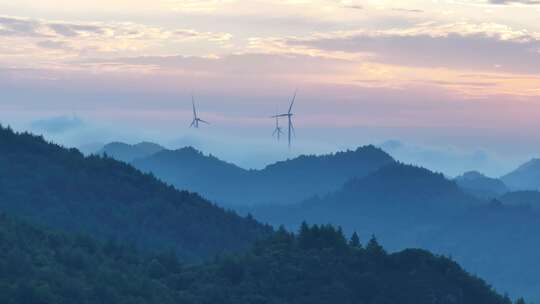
407,206
317,266
42,267
374,248
109,199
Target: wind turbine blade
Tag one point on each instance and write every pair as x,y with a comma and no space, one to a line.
292,102
293,131
275,131
193,103
192,124
203,121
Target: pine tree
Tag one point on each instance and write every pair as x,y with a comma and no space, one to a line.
355,241
374,248
305,238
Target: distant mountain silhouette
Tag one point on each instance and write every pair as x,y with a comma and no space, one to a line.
394,194
189,169
479,185
317,266
526,177
410,206
51,185
484,239
522,198
406,183
283,182
128,153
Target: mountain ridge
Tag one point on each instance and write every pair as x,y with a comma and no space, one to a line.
297,178
525,177
410,206
127,152
107,198
481,186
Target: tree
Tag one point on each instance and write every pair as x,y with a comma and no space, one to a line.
355,241
304,236
374,248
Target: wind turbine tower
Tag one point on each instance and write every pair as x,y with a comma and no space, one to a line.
278,130
196,120
289,116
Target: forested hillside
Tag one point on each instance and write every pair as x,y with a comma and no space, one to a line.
408,206
397,202
106,198
284,182
316,266
38,266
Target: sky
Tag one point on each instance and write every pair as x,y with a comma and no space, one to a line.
451,85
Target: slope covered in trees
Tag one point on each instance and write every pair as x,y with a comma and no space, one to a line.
396,202
110,199
316,266
407,206
41,267
296,179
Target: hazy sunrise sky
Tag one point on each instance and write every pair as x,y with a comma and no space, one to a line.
454,81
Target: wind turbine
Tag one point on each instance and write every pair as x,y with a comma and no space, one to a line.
278,130
196,119
289,116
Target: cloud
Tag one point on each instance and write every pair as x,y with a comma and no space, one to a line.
407,10
52,44
238,64
17,27
57,125
352,4
198,6
37,40
25,27
506,2
462,46
74,30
